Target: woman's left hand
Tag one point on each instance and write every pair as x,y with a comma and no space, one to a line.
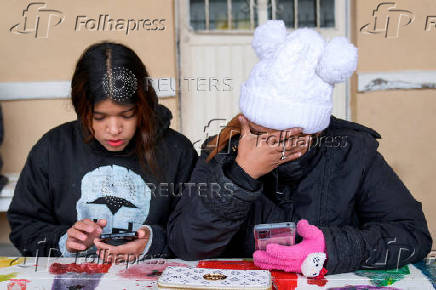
129,251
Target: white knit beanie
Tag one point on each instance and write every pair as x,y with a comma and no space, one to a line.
292,84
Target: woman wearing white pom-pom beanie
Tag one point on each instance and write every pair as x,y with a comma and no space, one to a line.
286,158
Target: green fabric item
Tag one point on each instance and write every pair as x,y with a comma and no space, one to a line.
384,277
7,277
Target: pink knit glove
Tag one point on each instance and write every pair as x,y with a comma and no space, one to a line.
306,257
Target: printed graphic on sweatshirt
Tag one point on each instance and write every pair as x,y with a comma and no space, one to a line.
116,194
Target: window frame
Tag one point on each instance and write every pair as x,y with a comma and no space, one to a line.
207,29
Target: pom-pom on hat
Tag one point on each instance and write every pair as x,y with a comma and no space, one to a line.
292,84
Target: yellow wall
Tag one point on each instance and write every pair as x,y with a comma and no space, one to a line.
404,118
25,58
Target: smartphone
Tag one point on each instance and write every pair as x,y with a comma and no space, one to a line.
278,233
118,238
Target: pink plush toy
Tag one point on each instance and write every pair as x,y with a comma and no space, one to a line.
306,257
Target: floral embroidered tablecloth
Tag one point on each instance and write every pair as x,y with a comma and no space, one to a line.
87,274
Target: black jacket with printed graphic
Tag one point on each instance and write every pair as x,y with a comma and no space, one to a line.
343,185
65,180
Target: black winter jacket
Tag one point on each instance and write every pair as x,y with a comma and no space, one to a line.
342,184
65,179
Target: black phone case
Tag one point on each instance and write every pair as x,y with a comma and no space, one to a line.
118,239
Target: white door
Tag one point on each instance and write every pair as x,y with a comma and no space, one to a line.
215,54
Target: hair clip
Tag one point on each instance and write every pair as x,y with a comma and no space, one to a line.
120,84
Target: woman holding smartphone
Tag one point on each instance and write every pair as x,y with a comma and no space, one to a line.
102,173
285,158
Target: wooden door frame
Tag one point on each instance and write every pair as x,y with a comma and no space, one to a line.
181,18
